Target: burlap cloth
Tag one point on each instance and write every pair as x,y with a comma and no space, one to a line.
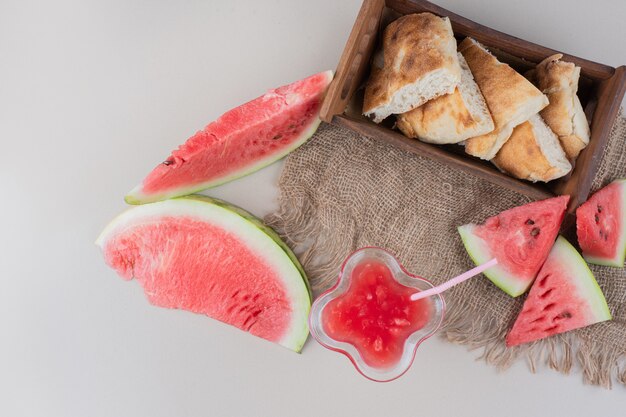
342,191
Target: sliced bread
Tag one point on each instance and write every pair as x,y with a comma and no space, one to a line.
419,64
533,152
565,116
451,118
511,98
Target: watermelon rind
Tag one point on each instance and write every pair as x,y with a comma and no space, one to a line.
480,253
136,196
261,239
618,260
582,278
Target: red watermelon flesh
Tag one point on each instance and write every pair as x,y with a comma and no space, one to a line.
241,141
564,297
198,254
519,238
601,225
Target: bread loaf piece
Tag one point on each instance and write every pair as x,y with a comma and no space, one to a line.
511,98
419,64
565,116
533,153
451,118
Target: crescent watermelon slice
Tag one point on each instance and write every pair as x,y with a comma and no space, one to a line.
241,141
520,238
601,226
564,297
203,255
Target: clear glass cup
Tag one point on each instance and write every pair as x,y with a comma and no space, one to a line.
411,344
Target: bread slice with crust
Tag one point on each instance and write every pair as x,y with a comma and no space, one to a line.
419,64
533,152
511,98
451,118
565,115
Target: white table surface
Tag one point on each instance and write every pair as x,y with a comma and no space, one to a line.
92,96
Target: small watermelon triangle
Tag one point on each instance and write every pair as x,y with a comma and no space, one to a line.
519,238
564,297
601,226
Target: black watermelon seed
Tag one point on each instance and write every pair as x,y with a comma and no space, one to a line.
542,281
530,221
597,218
168,162
565,315
535,231
599,208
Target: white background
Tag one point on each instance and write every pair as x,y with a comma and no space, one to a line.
92,96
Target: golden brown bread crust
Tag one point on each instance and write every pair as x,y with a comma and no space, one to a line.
376,90
572,145
508,94
413,46
559,81
450,106
482,146
450,118
552,74
557,113
522,157
504,89
408,39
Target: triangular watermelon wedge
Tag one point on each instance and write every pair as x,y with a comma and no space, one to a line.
601,226
240,142
519,238
564,297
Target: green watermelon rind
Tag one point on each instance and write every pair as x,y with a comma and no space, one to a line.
618,261
479,252
137,197
250,229
583,278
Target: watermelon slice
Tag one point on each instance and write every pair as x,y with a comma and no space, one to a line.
203,255
243,140
601,225
520,238
565,296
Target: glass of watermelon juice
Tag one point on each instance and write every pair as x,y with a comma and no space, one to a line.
369,317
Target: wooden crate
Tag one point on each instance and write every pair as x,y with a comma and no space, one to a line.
601,90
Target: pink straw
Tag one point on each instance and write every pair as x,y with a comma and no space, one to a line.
454,281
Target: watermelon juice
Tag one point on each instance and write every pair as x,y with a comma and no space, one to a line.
370,317
376,314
